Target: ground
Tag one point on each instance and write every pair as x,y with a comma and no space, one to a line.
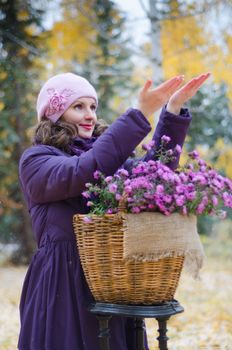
205,324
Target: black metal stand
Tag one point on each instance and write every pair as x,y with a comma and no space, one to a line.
161,312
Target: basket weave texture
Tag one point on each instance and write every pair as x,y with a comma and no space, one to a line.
113,279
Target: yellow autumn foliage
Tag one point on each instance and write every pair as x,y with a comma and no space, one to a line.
22,14
182,40
224,161
1,106
71,38
189,49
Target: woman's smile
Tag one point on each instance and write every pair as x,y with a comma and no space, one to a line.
82,113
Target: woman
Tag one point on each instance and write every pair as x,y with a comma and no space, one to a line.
66,152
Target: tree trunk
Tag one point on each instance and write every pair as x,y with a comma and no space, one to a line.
25,236
156,52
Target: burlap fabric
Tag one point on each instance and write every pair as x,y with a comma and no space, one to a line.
154,236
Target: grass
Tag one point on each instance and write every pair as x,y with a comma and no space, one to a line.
205,324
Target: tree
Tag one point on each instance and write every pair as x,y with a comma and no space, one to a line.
182,39
210,108
20,25
211,130
93,30
184,43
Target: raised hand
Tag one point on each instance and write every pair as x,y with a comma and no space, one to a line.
187,91
151,100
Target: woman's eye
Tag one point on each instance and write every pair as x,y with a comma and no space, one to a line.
78,106
93,107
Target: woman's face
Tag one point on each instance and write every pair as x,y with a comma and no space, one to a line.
82,113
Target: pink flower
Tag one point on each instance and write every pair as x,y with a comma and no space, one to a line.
217,183
190,166
178,149
159,188
201,162
227,199
148,195
113,188
183,177
167,198
87,220
205,200
214,201
200,178
136,210
194,155
180,188
180,200
200,208
123,172
169,152
148,146
203,168
139,169
160,172
108,179
165,139
86,194
166,176
190,195
128,189
184,210
97,175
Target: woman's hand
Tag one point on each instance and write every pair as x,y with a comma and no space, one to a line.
151,100
187,91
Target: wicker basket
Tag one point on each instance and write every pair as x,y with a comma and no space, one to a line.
111,278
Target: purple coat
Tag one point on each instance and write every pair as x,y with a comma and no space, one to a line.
55,294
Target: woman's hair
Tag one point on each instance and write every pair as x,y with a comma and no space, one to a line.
61,133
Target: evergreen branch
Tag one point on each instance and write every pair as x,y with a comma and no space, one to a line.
144,7
92,21
206,7
20,42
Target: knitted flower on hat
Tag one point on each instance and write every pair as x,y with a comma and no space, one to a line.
57,101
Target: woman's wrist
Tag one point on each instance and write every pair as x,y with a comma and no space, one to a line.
173,109
143,110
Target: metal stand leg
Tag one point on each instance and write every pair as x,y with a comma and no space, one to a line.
139,329
104,332
162,338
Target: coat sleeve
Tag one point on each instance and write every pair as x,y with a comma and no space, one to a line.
48,175
171,125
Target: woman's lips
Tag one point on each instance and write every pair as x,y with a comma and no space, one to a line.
86,126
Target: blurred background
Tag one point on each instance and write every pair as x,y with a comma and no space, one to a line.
117,45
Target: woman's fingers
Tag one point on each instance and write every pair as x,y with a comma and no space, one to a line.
171,84
151,100
200,80
194,84
147,85
185,93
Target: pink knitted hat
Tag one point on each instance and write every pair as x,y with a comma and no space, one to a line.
59,92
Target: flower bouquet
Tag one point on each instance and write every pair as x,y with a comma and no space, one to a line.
142,226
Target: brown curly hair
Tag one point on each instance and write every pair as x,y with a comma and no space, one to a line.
61,133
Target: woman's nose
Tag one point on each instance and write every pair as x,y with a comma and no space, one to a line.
89,114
